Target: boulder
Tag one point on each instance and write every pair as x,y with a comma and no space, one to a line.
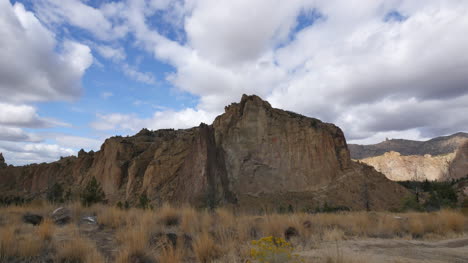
61,216
32,219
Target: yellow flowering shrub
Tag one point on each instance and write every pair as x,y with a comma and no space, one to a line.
273,250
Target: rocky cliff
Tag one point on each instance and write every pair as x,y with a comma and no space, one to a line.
436,146
439,159
253,156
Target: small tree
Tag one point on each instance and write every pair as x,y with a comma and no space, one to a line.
68,195
55,193
92,193
144,201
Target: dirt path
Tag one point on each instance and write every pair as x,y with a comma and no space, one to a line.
388,250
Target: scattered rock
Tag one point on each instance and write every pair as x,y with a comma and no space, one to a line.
32,219
140,258
307,224
290,232
172,220
172,239
89,220
61,216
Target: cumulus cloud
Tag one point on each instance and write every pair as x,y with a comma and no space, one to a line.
26,153
113,53
78,142
133,73
370,74
79,14
21,115
130,123
17,135
30,67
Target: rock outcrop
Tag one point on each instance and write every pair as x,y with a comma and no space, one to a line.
450,159
398,167
436,146
253,156
2,161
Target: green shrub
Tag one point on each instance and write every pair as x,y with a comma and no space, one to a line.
92,193
144,201
55,194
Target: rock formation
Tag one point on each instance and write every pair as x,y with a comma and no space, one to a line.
437,146
439,159
2,161
253,156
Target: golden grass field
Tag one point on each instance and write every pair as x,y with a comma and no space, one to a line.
184,234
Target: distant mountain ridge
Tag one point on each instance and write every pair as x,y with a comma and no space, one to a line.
440,159
436,146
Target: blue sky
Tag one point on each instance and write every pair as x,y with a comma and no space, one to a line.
73,73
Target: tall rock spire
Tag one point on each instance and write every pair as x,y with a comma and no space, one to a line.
2,161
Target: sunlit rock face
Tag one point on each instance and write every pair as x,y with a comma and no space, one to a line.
253,156
441,159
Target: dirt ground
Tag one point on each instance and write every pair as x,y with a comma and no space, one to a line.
391,250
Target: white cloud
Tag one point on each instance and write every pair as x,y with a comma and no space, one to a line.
144,77
105,95
26,153
17,135
116,54
130,123
370,76
78,14
30,67
78,142
20,115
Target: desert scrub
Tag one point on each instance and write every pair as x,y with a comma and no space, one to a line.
273,250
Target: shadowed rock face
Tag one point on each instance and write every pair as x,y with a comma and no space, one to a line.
252,156
2,161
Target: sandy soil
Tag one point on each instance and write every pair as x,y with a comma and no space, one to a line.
390,250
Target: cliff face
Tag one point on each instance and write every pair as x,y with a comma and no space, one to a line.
437,146
440,159
252,156
413,167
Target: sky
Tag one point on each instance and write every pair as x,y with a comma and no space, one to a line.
73,73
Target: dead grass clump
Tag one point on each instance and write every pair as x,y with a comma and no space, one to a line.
452,221
205,248
45,230
333,234
170,254
112,217
29,248
127,256
135,242
169,216
189,220
7,242
76,209
78,250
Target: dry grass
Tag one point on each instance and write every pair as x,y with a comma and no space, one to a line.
78,250
206,249
134,243
7,242
45,230
205,236
112,217
171,255
29,248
